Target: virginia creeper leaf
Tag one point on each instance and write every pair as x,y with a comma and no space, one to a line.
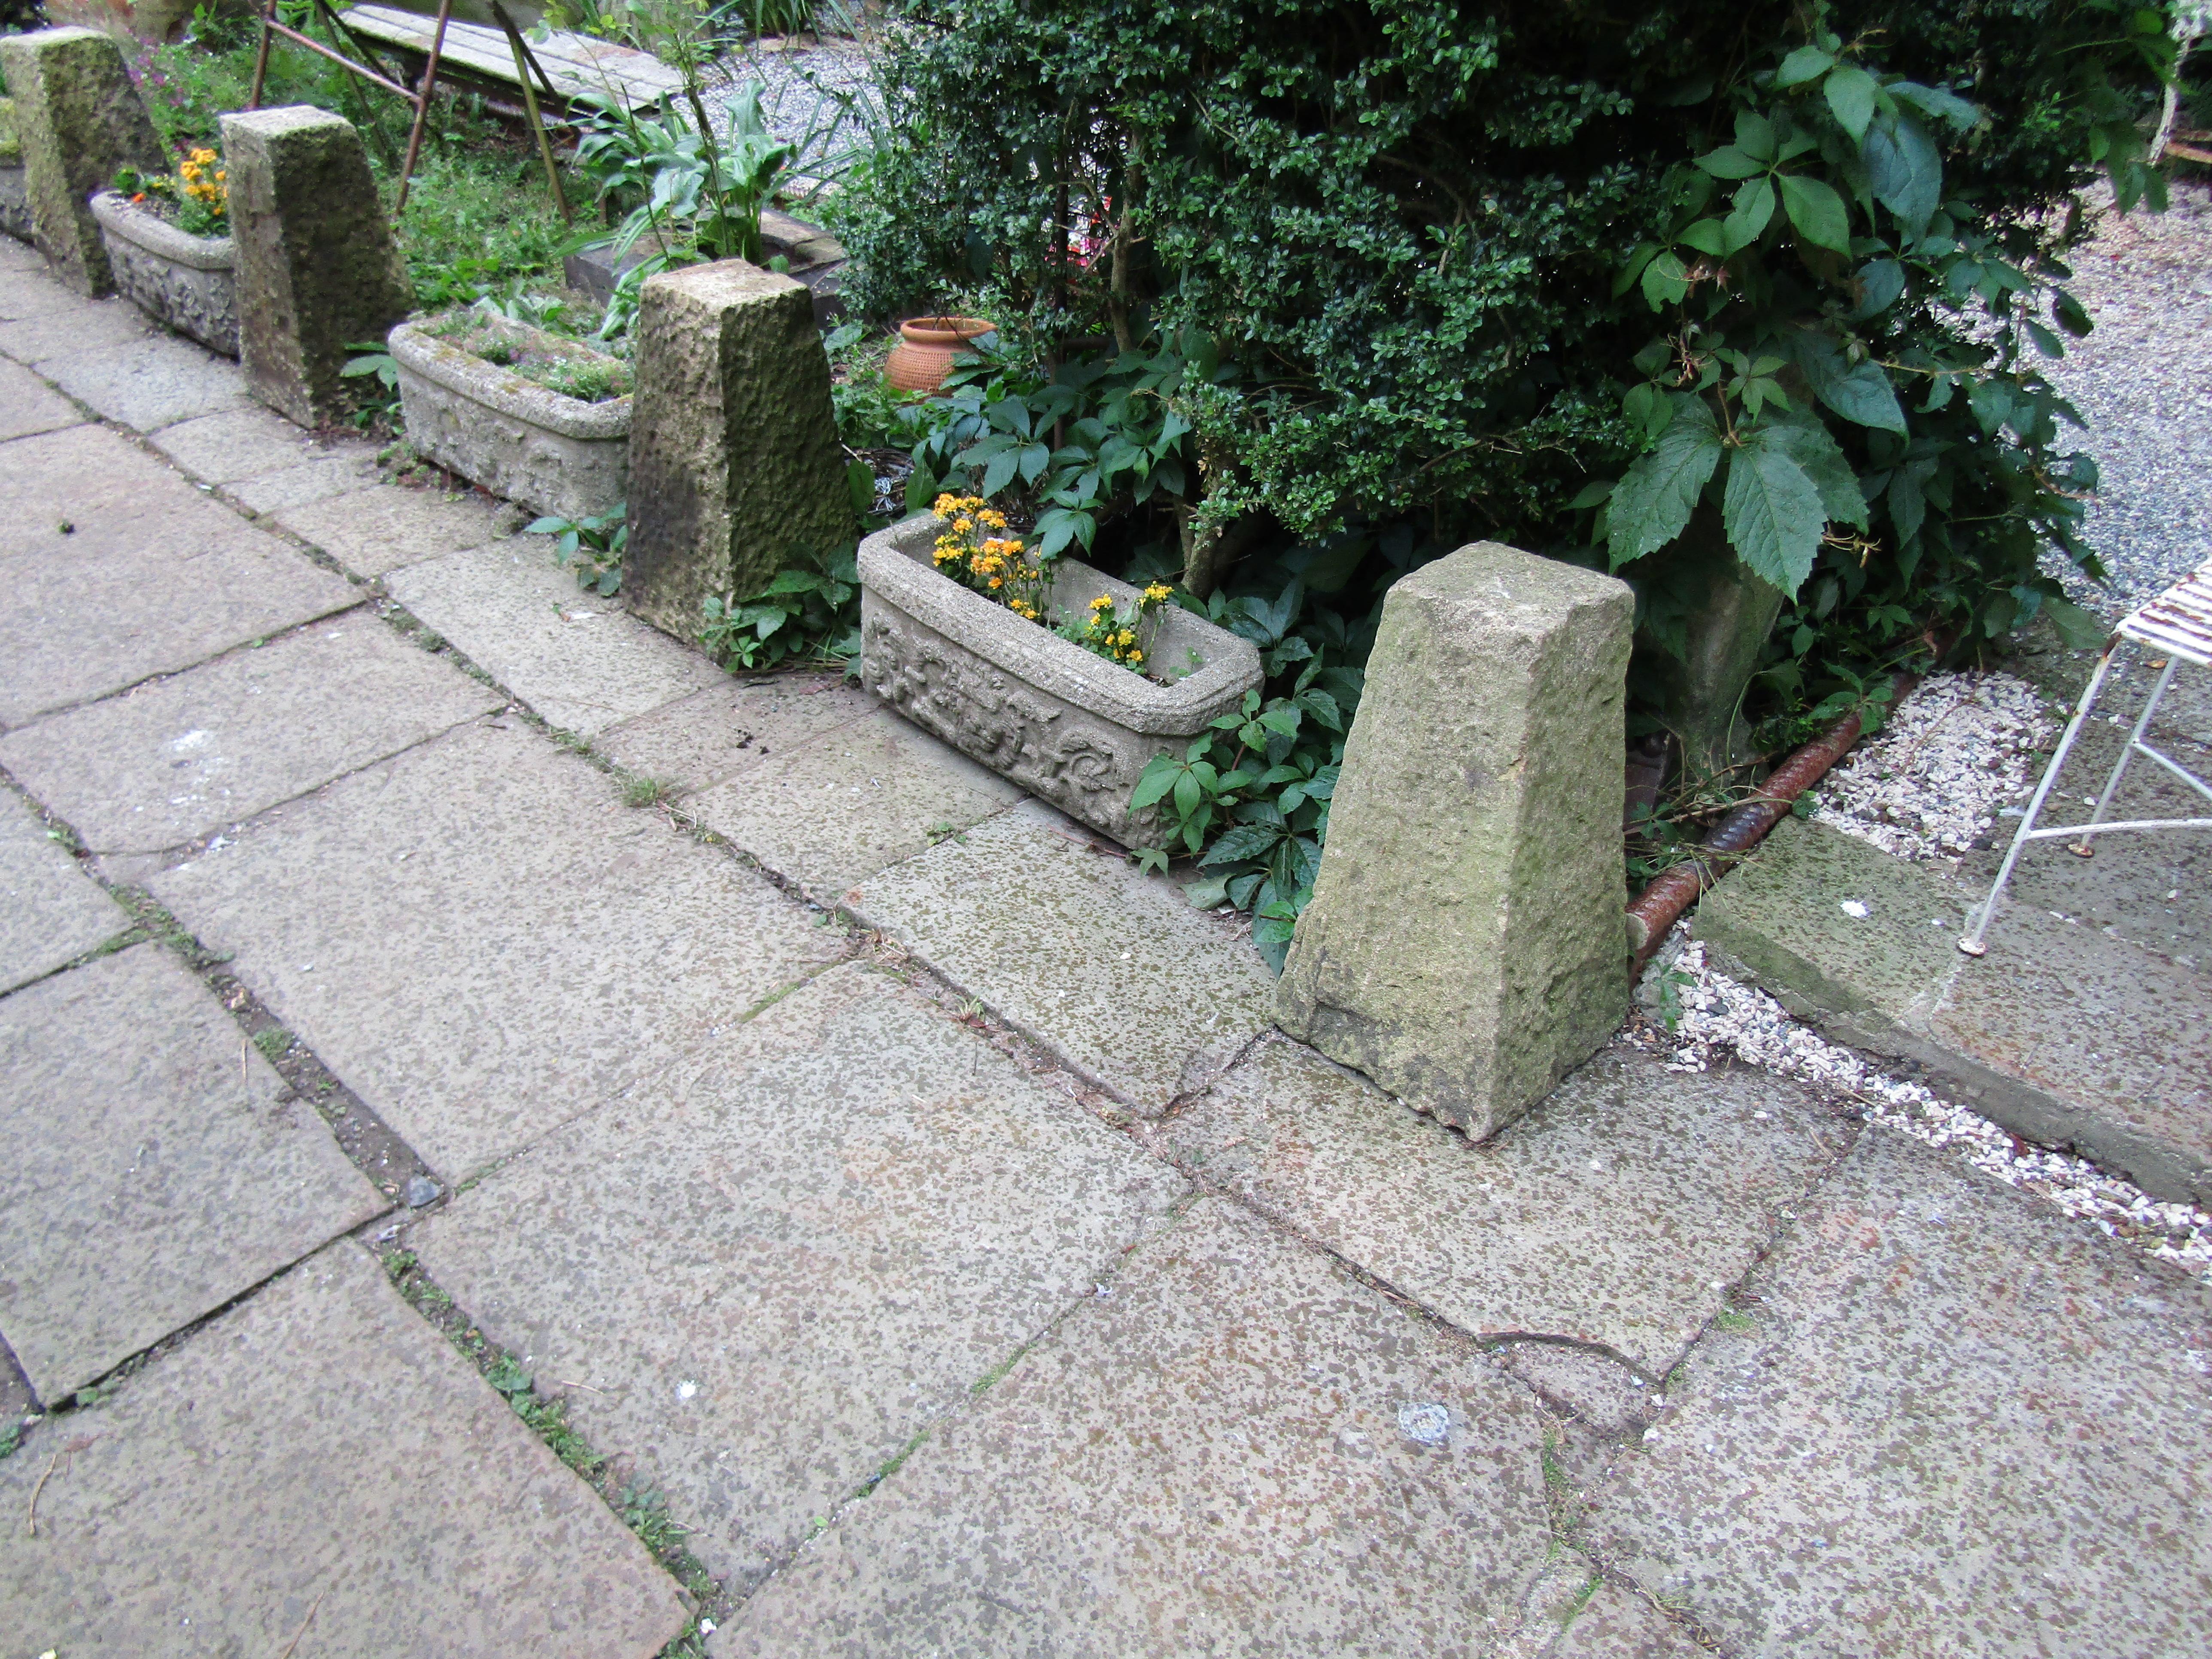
1771,512
1655,498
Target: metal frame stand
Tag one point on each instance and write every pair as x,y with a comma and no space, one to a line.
2174,623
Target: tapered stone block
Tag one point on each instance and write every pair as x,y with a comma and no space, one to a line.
317,270
1466,945
77,119
734,466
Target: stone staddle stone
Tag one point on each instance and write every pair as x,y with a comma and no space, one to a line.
734,459
1466,946
318,271
78,118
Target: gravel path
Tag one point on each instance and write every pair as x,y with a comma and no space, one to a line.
820,96
2142,380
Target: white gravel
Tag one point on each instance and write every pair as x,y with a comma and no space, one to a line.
1952,758
820,95
1703,1014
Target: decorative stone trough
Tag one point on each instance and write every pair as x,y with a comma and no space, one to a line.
1034,707
556,454
186,283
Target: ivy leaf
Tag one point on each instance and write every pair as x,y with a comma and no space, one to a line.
1817,212
1860,392
1906,170
1822,459
1771,512
1806,63
1245,840
1851,95
1655,499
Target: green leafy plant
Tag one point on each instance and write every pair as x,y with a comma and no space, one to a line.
595,546
373,361
809,613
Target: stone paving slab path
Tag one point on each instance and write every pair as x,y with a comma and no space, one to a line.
1615,1214
317,1461
484,942
28,405
373,531
1056,933
52,332
763,1279
51,912
178,1174
263,461
1240,1450
149,384
712,736
178,759
1946,1426
581,661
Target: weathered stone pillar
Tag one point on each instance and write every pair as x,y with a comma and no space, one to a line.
317,270
77,119
1466,943
733,457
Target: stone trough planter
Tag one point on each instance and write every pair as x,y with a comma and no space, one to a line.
182,282
554,454
1037,710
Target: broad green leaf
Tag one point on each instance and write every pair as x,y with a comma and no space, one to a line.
922,488
1772,514
1729,162
1937,104
1906,170
1666,280
1753,212
1593,495
1208,892
1034,459
2080,630
1158,777
1816,211
1822,459
1655,499
1850,91
1243,841
552,526
1000,472
1881,282
1754,136
1707,236
1908,507
1860,392
1806,63
2067,312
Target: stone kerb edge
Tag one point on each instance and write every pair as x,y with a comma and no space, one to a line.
895,569
419,352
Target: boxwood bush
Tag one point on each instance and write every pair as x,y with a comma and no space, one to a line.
1749,303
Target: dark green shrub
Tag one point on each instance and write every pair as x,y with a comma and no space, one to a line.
1780,274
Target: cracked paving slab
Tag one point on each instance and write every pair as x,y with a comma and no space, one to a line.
29,405
1614,1213
762,1280
317,1467
482,941
170,762
156,1166
1242,1448
580,661
1956,1423
265,461
51,912
149,384
1059,935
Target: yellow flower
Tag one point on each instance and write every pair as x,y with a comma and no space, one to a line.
1136,657
1158,593
1103,602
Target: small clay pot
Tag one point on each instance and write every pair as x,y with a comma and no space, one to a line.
923,357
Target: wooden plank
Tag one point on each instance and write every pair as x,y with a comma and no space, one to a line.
576,66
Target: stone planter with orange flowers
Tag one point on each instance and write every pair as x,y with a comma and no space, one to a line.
1035,707
182,282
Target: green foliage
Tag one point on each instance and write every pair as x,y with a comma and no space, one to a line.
1443,239
809,613
372,361
594,545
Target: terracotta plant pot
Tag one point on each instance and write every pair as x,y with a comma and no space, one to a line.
923,357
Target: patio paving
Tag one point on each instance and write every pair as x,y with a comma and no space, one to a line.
884,1175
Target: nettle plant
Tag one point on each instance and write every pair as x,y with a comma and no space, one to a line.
1848,341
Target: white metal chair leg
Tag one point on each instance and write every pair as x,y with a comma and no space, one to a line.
1972,942
2084,848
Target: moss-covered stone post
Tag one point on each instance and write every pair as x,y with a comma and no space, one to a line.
317,270
1465,945
734,465
77,119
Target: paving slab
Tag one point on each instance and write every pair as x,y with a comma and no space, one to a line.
28,405
177,759
51,912
1615,1214
157,1167
25,289
581,661
318,1469
150,384
374,530
114,495
1959,1423
2061,1034
1613,1624
134,593
832,812
711,736
1241,1449
482,941
762,1280
48,333
1112,970
263,461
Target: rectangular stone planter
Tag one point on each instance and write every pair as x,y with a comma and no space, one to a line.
554,454
186,282
1037,710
